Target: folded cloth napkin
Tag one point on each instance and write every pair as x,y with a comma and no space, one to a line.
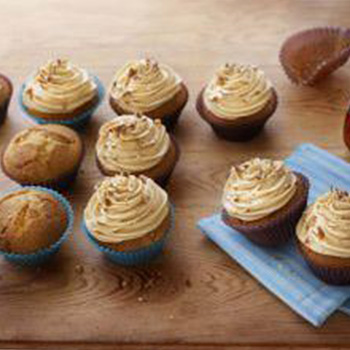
282,270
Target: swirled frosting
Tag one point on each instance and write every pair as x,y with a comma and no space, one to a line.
324,226
237,91
59,87
144,85
258,188
132,144
124,208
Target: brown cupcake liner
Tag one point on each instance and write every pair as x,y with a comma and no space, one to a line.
240,129
310,55
278,229
169,119
5,104
332,270
162,179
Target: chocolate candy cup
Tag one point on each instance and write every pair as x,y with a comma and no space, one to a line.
309,56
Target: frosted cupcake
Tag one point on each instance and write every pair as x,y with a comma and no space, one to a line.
128,218
61,92
149,88
324,237
136,145
264,200
237,102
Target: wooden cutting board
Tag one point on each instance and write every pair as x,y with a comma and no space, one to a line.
194,296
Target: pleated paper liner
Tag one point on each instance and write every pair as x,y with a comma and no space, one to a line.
78,122
310,55
140,256
41,256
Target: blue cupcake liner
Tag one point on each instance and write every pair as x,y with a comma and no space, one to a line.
135,257
77,122
41,256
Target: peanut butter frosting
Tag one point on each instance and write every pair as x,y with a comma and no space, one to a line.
144,85
258,188
237,91
324,226
132,144
59,87
124,208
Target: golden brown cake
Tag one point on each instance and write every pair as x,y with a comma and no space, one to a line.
30,220
127,213
59,90
264,200
237,102
324,237
149,88
46,155
136,145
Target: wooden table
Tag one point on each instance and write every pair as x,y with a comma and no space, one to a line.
195,297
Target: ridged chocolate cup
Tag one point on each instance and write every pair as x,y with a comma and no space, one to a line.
277,228
161,173
6,102
310,55
329,269
169,113
239,129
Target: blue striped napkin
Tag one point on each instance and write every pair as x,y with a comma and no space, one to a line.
282,270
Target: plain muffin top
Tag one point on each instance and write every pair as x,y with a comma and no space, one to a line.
30,220
42,153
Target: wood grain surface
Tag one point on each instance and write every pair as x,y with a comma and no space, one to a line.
194,297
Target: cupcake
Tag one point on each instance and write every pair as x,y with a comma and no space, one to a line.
264,200
128,218
324,237
61,92
45,155
311,55
136,145
149,88
33,224
5,96
237,102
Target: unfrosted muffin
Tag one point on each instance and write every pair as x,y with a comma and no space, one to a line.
136,145
59,91
129,217
149,88
264,200
237,102
324,237
45,155
6,90
30,220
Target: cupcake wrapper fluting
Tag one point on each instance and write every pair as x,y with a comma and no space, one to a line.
136,257
336,275
310,55
78,122
279,230
41,256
